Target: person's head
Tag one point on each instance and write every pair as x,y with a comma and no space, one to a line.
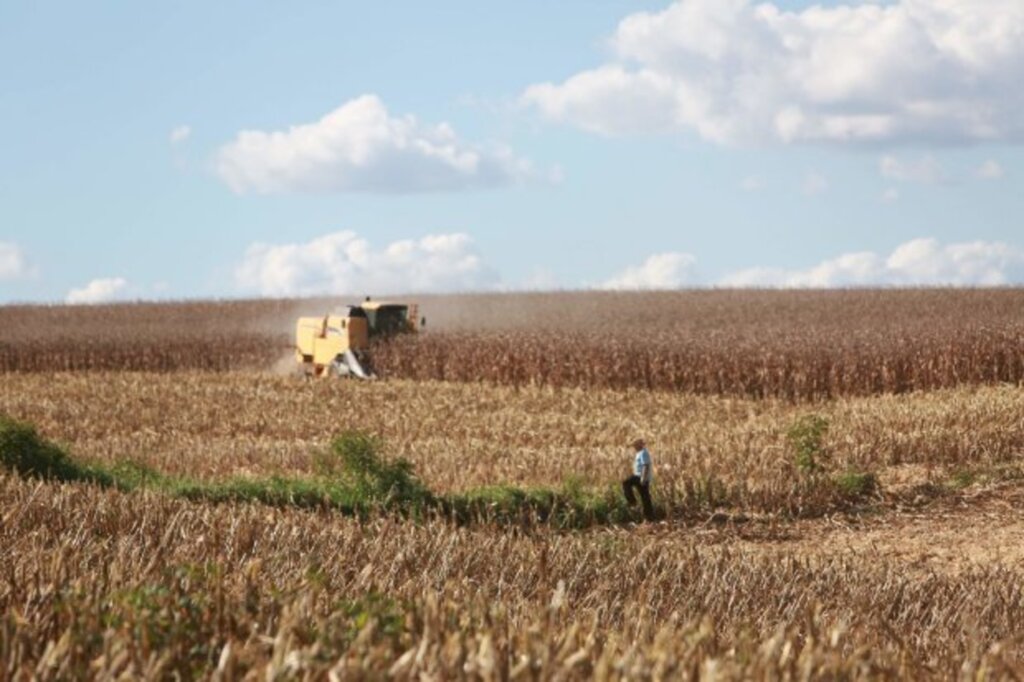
638,444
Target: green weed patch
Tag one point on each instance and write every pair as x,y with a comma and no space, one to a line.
351,477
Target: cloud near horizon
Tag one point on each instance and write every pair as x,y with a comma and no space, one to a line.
344,263
744,72
919,262
101,290
361,147
13,262
660,271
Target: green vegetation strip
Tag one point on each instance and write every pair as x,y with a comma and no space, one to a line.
351,477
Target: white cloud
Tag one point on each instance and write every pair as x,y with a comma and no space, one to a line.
360,147
990,170
660,271
344,263
13,263
919,262
891,195
744,71
814,183
609,100
180,134
100,290
924,171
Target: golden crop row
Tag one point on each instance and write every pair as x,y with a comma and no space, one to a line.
98,583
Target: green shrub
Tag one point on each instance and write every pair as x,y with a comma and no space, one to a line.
355,457
25,452
806,437
855,485
574,489
130,475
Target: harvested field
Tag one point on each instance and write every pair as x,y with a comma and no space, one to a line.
96,583
459,436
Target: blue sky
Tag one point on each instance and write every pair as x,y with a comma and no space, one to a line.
516,145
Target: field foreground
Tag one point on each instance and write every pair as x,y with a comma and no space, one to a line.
760,570
839,479
99,583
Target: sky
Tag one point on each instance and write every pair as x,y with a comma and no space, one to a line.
243,149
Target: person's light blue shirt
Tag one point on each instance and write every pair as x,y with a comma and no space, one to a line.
643,459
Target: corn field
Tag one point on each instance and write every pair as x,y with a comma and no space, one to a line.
798,367
758,408
797,346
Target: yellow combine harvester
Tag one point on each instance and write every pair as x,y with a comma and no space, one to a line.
337,343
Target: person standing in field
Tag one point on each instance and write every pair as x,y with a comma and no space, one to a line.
640,480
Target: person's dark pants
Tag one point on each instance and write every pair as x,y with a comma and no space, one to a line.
645,495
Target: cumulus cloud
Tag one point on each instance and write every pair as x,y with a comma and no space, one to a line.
102,290
609,100
924,171
344,263
179,134
660,271
919,262
13,263
744,71
990,170
360,146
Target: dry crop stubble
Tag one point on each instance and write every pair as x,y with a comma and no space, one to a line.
140,584
458,436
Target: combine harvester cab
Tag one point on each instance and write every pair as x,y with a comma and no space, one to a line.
338,344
